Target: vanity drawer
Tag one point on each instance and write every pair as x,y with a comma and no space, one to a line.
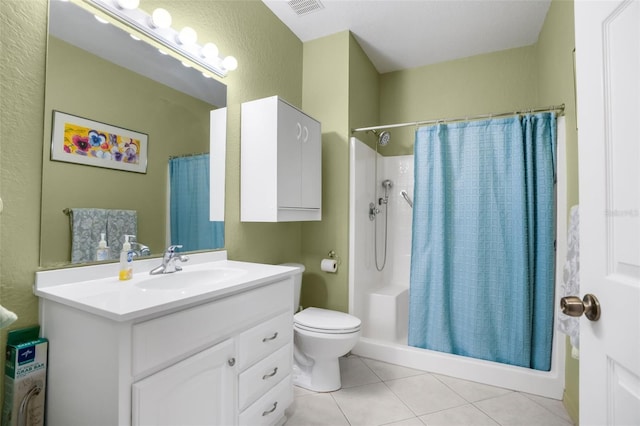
270,408
198,327
261,340
258,379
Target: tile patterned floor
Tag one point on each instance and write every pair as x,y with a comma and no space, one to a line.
376,393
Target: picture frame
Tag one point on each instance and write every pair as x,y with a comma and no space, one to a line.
93,143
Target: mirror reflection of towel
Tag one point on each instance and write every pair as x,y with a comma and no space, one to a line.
119,224
88,223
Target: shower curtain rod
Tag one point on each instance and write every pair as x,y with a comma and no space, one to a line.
195,154
559,108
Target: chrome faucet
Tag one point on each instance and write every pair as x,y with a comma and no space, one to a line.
169,261
138,248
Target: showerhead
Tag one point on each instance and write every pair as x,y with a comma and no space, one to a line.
387,184
384,138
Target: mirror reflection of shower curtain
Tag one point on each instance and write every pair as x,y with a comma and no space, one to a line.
482,257
189,205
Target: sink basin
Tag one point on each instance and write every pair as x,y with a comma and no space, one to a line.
188,278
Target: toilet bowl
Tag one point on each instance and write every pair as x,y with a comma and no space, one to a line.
321,337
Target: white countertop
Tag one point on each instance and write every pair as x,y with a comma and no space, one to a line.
205,277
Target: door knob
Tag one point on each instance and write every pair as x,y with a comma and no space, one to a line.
574,307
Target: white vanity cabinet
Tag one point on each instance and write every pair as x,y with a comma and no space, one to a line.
195,391
224,361
281,163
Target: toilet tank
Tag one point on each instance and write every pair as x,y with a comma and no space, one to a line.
297,283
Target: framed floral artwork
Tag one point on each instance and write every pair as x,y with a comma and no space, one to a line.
92,143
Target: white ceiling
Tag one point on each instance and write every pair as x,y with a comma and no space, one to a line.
403,34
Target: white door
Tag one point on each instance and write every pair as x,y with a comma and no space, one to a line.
197,391
608,81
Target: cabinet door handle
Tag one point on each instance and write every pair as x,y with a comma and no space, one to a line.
306,134
298,130
267,339
231,362
266,413
273,373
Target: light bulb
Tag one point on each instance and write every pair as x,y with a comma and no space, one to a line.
134,37
186,64
187,36
205,75
160,18
209,51
128,4
230,63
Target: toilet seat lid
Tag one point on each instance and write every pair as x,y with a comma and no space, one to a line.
325,320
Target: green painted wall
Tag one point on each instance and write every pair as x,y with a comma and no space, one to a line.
494,82
341,89
326,98
175,123
556,85
270,62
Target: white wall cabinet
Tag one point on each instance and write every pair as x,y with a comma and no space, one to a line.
281,163
225,361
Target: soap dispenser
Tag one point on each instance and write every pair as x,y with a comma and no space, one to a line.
126,260
102,253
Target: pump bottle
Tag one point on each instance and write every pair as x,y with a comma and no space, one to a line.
102,253
126,260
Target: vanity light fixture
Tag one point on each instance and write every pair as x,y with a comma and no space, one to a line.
187,36
209,50
230,63
157,27
160,18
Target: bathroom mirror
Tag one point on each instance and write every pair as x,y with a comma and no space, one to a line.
98,72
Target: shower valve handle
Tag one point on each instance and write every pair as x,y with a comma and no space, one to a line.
574,307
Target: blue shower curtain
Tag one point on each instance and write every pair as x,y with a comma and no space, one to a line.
482,261
189,205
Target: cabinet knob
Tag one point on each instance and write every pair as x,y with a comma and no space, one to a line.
231,362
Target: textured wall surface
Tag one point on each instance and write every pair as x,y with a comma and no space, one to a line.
493,82
22,66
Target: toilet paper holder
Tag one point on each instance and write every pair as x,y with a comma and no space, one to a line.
332,255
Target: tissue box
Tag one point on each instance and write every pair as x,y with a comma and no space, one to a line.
25,378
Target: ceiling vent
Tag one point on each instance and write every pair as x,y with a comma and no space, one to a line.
304,7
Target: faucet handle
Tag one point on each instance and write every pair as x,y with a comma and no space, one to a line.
172,249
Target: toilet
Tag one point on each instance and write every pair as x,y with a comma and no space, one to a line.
321,336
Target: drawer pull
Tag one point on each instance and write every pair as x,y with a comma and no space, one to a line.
267,339
231,362
273,373
266,413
